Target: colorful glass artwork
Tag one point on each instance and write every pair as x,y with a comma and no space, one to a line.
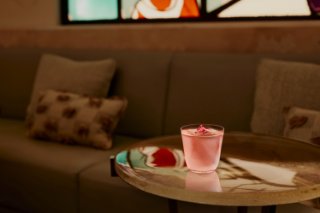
269,8
92,10
160,9
74,11
213,5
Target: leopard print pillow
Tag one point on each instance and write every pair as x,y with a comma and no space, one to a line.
76,119
302,124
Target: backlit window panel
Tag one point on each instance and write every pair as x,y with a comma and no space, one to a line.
215,4
267,8
160,9
144,11
92,10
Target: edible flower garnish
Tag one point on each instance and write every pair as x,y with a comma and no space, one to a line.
201,130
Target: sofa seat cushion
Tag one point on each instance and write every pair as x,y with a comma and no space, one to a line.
99,192
41,176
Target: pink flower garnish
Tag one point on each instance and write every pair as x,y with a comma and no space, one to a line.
201,130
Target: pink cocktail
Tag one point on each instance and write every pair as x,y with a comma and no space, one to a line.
202,146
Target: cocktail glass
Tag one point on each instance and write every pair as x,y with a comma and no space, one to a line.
202,146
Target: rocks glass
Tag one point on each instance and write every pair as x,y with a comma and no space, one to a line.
202,146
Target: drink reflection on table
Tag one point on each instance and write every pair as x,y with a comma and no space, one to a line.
209,182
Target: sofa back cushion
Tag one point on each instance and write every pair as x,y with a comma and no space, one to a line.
210,88
216,88
141,77
17,72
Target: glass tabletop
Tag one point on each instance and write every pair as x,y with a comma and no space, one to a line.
253,170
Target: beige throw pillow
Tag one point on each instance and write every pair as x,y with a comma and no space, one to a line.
83,77
76,119
280,84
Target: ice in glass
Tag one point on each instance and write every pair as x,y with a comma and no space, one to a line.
202,146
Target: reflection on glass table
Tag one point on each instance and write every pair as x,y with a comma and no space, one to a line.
254,170
203,182
236,175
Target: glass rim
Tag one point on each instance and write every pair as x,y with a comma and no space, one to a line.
219,127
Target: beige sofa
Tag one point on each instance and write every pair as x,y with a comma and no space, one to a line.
164,90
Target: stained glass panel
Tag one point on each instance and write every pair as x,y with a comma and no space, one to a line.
215,4
160,9
88,10
269,8
118,11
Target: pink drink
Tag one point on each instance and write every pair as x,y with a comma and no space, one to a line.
202,146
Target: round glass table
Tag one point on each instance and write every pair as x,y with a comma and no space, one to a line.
254,170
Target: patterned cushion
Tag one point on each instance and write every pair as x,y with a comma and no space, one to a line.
303,124
76,119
